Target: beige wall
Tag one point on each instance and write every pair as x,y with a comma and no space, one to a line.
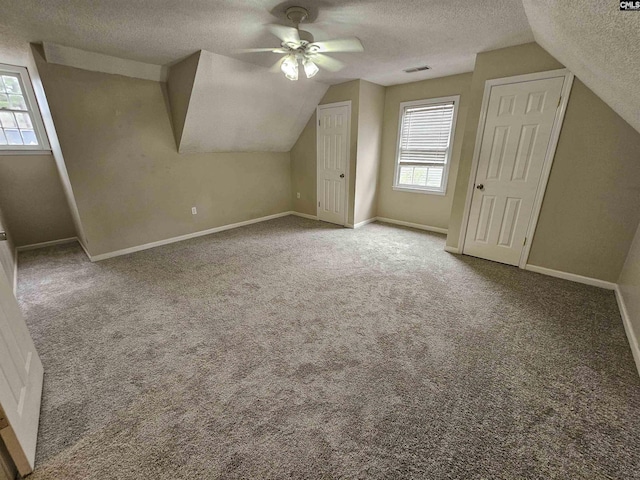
35,53
303,170
180,82
131,185
31,194
369,150
32,199
7,253
586,223
303,154
590,210
629,286
424,209
12,52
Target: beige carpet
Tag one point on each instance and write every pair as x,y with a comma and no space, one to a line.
294,349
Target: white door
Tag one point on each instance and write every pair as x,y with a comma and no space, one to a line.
333,163
20,382
517,131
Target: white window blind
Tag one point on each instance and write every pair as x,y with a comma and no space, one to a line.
424,144
21,126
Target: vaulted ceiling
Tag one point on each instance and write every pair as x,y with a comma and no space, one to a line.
599,43
592,38
445,34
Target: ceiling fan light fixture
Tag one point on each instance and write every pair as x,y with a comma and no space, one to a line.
300,47
310,68
289,67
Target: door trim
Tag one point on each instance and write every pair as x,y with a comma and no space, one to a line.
348,158
548,159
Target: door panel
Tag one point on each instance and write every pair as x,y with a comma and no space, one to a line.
528,137
498,150
21,376
332,163
486,218
509,221
517,131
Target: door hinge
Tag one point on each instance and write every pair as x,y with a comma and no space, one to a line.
525,241
318,122
318,203
559,101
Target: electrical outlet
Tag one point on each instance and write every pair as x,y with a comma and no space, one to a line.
298,194
194,211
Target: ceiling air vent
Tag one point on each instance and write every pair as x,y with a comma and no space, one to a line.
417,69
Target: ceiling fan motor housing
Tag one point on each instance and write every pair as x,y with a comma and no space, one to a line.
297,14
305,36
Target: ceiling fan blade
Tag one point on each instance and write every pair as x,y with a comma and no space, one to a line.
275,68
340,45
286,34
327,62
254,50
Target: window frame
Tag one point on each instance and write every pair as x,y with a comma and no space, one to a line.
455,99
34,111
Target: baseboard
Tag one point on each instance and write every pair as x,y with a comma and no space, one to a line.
35,246
84,248
449,249
146,246
572,277
628,328
365,222
304,215
419,226
379,219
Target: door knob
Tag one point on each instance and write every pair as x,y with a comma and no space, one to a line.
480,186
3,235
342,175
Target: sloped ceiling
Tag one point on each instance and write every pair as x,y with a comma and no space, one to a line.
238,106
591,37
397,34
599,43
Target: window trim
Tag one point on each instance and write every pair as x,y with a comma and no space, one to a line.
427,101
34,110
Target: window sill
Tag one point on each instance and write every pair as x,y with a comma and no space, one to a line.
25,152
419,190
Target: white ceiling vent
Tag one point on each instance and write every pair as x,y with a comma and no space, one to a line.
417,69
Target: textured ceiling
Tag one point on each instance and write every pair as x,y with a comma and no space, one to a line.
445,34
592,38
598,43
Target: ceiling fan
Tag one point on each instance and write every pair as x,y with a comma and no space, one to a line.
298,46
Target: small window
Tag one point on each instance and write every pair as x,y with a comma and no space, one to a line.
21,127
425,137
